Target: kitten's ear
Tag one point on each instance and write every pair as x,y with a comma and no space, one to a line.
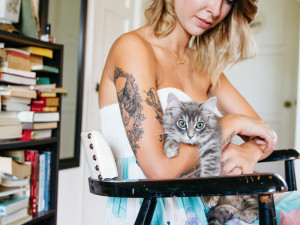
173,101
210,104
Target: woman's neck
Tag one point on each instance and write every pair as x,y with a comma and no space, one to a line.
178,41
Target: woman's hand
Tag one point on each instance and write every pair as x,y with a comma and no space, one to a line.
253,128
241,159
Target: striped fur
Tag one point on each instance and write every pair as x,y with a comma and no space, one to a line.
209,139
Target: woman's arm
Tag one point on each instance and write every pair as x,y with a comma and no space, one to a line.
241,119
133,65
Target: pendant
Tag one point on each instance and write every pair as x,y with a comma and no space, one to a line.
180,62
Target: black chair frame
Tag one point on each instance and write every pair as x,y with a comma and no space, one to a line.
262,184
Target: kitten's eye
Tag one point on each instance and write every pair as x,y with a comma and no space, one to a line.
199,125
182,123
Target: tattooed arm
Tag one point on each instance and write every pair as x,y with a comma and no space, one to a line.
134,84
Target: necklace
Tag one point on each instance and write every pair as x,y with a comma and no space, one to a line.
178,60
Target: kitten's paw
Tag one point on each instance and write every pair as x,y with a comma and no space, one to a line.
171,148
171,154
210,201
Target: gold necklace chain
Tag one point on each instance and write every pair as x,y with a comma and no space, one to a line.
178,61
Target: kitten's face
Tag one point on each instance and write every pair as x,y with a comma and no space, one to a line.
187,121
190,126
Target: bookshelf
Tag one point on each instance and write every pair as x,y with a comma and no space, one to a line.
52,144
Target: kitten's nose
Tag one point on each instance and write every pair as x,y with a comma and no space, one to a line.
191,136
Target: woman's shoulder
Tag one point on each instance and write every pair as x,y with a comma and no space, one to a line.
133,44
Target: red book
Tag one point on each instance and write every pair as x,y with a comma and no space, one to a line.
17,52
33,157
36,134
46,101
40,108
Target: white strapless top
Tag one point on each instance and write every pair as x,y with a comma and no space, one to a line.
112,125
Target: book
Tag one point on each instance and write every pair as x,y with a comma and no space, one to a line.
5,121
39,51
2,54
16,79
11,131
18,72
6,220
61,90
12,204
11,99
8,115
41,94
17,59
39,126
48,161
43,80
12,167
17,92
15,107
39,108
33,157
44,68
12,181
41,192
18,155
46,101
6,191
36,134
22,220
42,87
29,116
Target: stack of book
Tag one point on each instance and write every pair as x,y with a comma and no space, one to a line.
13,100
37,55
14,189
43,116
15,68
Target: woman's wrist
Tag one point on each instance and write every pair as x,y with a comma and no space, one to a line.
230,128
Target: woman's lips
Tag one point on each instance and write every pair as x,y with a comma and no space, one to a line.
203,23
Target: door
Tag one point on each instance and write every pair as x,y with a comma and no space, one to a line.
269,81
107,20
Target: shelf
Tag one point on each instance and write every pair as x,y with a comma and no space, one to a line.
50,144
40,217
18,144
13,38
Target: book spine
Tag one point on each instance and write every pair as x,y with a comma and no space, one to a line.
38,108
33,157
41,190
27,135
48,160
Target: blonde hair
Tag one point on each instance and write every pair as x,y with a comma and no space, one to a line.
227,43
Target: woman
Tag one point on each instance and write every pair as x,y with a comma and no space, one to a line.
145,65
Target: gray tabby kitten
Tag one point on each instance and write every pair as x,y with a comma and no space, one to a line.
199,124
196,124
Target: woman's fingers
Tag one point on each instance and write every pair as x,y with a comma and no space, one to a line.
237,160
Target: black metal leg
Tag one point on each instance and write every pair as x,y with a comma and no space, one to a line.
146,212
267,215
290,175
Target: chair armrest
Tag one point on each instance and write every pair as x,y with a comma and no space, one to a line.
282,155
184,187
